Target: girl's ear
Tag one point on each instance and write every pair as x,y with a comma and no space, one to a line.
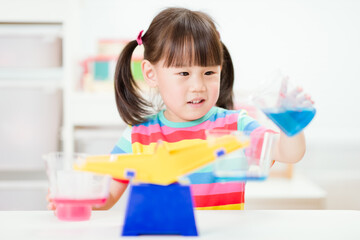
148,71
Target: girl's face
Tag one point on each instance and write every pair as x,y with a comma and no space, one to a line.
188,92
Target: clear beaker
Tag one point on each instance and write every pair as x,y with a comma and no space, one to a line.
250,163
287,106
74,192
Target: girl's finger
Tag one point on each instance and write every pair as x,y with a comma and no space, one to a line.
308,97
51,206
295,92
283,87
306,104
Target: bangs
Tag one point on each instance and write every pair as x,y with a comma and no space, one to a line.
194,45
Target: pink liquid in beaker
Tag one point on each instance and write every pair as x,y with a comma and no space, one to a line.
75,209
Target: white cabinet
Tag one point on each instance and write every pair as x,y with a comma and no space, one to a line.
41,47
36,72
41,109
31,82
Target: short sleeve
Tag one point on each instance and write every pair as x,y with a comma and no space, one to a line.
255,131
123,146
124,143
246,123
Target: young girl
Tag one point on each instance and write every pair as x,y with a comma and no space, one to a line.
185,60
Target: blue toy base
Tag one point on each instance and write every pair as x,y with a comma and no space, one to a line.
159,210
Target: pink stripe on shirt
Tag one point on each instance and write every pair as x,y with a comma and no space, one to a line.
220,122
217,188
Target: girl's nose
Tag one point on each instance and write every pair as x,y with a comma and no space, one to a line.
197,85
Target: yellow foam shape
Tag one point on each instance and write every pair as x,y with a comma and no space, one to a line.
166,164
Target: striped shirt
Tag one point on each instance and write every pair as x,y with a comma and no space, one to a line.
208,191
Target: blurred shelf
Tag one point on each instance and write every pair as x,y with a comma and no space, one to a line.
31,84
31,78
22,175
31,73
29,11
53,29
23,184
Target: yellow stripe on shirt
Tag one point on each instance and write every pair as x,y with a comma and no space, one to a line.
224,207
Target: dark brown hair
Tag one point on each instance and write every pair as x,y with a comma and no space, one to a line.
180,37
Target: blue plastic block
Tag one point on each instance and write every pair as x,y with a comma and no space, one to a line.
220,152
155,209
130,173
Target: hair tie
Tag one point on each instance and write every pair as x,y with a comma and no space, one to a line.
138,39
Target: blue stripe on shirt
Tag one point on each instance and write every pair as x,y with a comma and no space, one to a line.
117,150
209,177
251,127
219,113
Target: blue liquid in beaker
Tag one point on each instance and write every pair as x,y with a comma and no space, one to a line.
291,121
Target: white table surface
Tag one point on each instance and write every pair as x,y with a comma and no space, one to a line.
247,224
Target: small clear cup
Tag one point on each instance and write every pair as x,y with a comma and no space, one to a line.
286,105
74,192
250,163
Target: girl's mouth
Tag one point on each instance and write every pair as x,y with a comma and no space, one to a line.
196,101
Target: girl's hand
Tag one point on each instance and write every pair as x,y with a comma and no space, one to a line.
51,204
296,98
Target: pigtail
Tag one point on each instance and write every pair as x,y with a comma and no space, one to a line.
226,81
131,106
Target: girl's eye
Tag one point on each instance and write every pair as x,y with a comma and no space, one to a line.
184,74
209,73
